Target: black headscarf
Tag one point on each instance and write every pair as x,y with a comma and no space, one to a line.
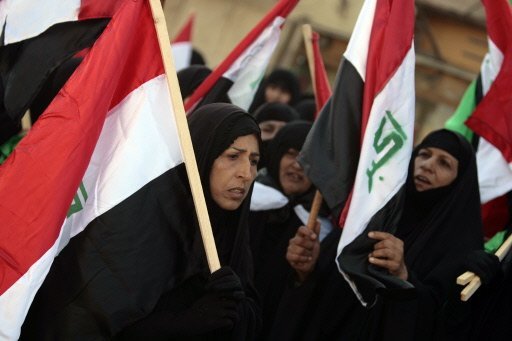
306,108
444,222
197,58
275,111
292,135
282,78
213,128
191,77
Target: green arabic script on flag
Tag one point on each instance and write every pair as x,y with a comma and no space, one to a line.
397,137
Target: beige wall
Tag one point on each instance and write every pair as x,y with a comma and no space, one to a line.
448,51
221,24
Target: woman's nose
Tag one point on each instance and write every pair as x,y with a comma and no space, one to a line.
244,169
428,164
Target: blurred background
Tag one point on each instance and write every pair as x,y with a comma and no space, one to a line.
450,42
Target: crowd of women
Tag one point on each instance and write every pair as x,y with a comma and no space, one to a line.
279,279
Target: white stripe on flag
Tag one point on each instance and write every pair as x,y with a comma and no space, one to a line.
138,143
397,98
248,70
357,49
494,173
181,52
27,18
490,66
132,150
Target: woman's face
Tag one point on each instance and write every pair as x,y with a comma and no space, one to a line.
270,128
291,175
234,171
434,168
274,93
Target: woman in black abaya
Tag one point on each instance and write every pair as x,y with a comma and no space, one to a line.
222,305
439,228
151,280
280,204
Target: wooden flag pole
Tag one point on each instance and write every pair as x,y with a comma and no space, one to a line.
308,37
474,280
184,135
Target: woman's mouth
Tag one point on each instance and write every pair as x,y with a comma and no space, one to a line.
422,180
237,193
295,177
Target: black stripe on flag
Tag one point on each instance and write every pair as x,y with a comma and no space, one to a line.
114,272
331,151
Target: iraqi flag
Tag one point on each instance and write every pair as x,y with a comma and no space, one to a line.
37,37
107,137
358,150
485,110
487,106
25,19
182,45
245,66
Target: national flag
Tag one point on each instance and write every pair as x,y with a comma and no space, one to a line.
246,64
37,37
182,45
92,157
361,143
25,19
491,117
25,66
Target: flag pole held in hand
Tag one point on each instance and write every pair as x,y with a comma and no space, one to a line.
185,139
473,280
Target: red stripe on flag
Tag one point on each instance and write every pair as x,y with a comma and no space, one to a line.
322,86
185,33
90,9
388,48
498,21
492,118
282,8
40,178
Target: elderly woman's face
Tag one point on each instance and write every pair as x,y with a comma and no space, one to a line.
234,171
434,168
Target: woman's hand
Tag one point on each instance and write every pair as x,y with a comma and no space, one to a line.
388,253
303,251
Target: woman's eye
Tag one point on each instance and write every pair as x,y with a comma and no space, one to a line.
255,162
232,156
445,164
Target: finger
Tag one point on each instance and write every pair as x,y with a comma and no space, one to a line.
380,235
384,254
303,243
384,263
299,266
298,250
294,258
383,244
306,233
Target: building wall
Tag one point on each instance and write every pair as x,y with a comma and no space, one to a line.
221,24
449,49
